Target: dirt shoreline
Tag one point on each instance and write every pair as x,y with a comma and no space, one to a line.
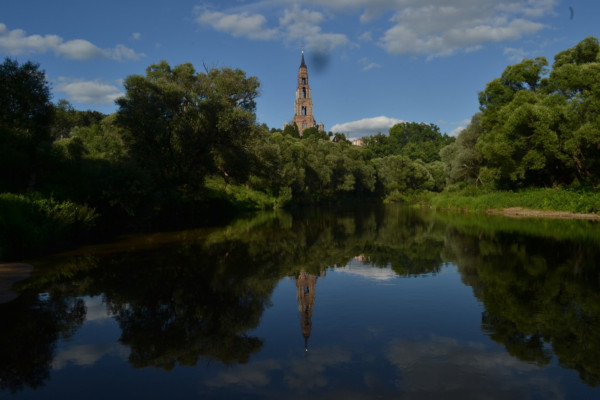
11,273
519,212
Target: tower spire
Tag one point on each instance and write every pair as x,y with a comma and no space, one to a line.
302,64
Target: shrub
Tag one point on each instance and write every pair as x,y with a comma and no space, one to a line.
30,223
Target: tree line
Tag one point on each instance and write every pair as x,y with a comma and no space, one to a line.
185,145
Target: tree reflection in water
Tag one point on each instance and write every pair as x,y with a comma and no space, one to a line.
193,295
30,328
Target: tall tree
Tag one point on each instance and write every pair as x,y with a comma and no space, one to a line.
540,128
462,159
181,125
25,117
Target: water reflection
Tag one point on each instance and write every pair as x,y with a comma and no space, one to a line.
305,294
541,295
200,295
31,325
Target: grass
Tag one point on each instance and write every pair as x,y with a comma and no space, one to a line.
239,197
31,223
472,199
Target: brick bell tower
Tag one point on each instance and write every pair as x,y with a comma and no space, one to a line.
303,114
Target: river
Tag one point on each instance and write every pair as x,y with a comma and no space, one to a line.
356,303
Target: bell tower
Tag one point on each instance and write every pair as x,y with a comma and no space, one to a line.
303,113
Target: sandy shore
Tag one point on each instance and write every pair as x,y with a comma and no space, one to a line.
519,212
9,274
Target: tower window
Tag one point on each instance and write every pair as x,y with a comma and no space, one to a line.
303,110
303,81
304,92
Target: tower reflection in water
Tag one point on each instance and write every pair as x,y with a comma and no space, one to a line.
305,294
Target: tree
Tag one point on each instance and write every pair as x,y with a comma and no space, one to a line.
417,141
181,125
399,174
313,132
291,130
66,118
462,159
25,117
339,138
378,145
540,128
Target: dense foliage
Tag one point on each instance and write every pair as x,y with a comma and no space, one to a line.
184,146
538,127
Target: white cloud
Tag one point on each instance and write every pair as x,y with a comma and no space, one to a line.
243,24
515,55
435,29
366,126
366,36
122,53
79,49
370,66
454,132
460,125
88,92
18,42
136,35
367,65
303,25
415,27
295,25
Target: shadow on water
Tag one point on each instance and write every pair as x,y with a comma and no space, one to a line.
182,297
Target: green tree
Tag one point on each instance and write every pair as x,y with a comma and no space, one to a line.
291,130
339,138
575,77
313,132
66,118
462,159
399,175
25,117
180,124
378,145
541,128
417,141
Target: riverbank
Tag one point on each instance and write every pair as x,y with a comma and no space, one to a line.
519,212
11,273
530,203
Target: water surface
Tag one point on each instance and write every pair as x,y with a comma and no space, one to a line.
370,302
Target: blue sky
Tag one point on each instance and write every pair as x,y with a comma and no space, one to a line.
371,63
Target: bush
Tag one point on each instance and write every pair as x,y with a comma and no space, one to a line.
30,223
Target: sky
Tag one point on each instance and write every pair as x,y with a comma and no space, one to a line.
371,63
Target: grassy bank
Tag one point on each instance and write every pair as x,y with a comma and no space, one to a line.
472,199
31,223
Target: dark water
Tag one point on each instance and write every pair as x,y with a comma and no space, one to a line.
355,304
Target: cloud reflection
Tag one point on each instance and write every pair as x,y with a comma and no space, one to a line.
356,267
433,368
445,368
88,354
